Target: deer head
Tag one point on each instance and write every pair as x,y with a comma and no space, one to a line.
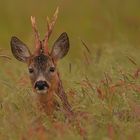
42,63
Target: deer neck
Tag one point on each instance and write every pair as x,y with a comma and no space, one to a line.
48,101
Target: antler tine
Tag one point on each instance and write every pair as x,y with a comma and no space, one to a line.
37,40
50,25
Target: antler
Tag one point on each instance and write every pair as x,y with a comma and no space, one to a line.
50,25
37,40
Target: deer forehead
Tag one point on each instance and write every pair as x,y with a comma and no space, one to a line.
41,61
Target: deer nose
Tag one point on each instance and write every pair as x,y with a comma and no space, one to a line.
41,85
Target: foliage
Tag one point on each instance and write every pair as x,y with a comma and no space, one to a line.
101,74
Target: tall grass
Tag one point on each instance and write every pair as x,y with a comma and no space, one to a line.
100,74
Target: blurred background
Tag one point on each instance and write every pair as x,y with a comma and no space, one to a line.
96,21
104,44
110,28
104,34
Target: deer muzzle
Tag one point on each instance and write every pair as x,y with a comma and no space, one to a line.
41,87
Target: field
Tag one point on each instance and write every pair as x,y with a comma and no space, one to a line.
101,73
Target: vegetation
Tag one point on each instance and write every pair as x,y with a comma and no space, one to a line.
101,74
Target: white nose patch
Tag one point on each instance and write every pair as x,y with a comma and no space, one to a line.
44,91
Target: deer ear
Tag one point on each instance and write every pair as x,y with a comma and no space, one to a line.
19,49
60,47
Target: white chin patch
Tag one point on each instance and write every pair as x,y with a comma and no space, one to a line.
44,91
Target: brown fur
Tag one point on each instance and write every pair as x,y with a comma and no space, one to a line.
42,63
39,64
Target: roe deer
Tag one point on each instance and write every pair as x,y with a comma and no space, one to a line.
42,65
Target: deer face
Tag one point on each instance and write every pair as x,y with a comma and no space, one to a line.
42,72
42,66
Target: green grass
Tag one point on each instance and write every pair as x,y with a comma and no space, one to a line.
102,87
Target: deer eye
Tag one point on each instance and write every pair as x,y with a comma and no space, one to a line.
52,69
31,70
